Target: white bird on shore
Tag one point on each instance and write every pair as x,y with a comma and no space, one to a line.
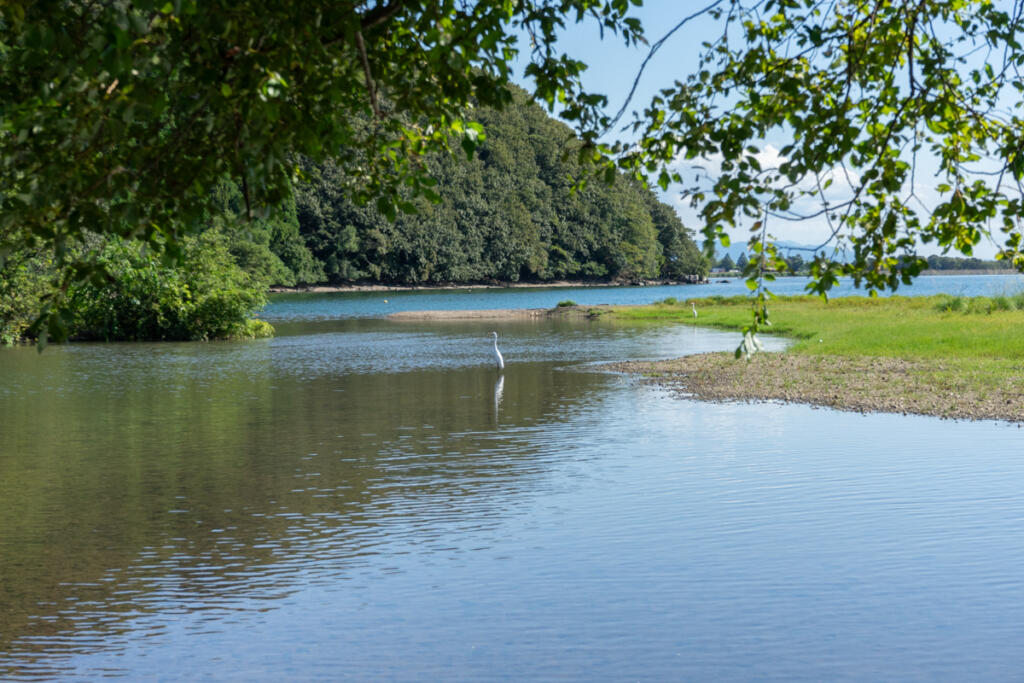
497,354
694,306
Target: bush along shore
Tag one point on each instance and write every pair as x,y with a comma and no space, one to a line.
951,357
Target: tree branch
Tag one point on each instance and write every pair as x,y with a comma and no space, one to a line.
650,54
380,14
370,87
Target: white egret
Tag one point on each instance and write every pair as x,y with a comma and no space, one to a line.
497,354
694,306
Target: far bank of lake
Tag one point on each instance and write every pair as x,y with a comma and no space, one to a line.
347,304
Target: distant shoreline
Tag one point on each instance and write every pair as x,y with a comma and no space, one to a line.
978,271
567,284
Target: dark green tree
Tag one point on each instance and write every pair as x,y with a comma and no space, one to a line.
509,214
121,117
137,297
269,247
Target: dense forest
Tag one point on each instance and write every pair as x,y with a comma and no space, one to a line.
509,214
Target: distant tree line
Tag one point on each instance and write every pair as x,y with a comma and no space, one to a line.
794,263
797,265
958,263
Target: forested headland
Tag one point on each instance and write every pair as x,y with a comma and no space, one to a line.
511,213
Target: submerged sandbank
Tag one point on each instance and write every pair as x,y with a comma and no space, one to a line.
505,313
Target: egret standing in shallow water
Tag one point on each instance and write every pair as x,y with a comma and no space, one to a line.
694,306
497,354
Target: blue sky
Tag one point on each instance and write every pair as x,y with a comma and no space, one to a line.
613,67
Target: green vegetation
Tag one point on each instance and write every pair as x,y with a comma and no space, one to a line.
123,118
941,355
566,304
980,304
139,296
24,281
509,214
206,297
897,327
846,100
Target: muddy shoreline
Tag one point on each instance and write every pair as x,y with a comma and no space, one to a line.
857,384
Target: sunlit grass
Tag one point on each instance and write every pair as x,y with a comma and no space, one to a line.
937,327
942,355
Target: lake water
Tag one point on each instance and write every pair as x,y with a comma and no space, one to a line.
329,306
369,499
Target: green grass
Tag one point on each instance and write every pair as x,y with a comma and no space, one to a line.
943,355
939,327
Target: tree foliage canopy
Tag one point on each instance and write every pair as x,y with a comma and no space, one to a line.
120,116
508,214
900,123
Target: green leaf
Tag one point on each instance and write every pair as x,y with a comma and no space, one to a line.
469,147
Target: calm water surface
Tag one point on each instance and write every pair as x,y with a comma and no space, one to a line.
327,306
366,499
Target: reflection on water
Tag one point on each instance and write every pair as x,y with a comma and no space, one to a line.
369,499
499,391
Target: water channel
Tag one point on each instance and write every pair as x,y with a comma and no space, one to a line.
369,499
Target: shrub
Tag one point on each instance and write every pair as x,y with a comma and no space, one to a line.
206,297
24,280
952,304
256,329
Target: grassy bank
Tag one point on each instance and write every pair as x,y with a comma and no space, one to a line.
942,355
